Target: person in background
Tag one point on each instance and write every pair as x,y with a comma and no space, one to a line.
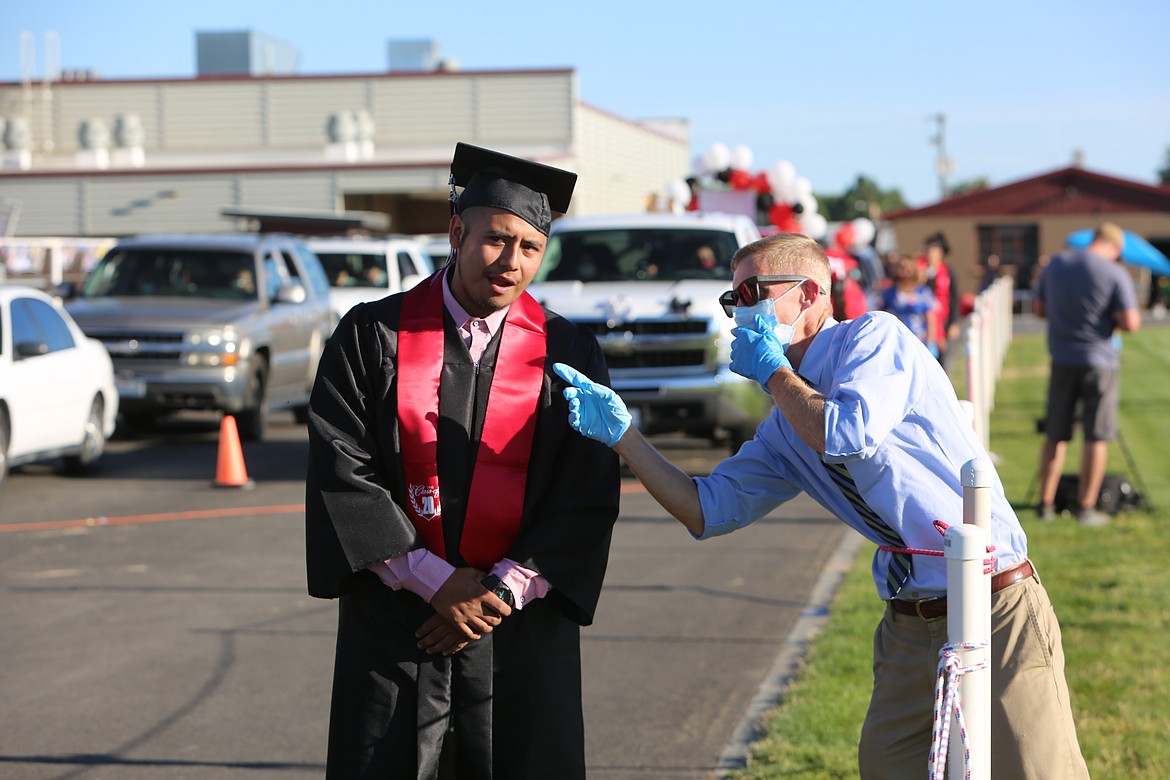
1087,297
941,280
912,302
462,525
867,423
374,276
1159,296
991,271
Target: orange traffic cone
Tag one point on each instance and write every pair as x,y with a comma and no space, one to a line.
229,470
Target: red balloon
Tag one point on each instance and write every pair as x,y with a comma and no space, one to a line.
760,183
779,214
740,180
845,236
791,225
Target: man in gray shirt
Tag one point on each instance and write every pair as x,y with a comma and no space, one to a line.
1086,296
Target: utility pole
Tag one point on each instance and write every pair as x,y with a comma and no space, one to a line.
943,164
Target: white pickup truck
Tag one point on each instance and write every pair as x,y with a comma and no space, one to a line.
648,286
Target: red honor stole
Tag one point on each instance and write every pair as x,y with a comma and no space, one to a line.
496,501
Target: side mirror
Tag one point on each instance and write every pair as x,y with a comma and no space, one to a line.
65,290
27,349
291,293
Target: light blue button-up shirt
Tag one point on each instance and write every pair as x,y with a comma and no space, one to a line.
893,421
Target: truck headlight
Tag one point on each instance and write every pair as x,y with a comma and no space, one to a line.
723,339
215,348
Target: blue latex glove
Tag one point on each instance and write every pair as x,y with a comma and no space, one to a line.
595,411
757,353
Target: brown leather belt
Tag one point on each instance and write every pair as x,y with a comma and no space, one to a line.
933,609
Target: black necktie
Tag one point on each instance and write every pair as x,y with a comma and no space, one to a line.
900,564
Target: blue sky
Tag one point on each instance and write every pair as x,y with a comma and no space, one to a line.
836,88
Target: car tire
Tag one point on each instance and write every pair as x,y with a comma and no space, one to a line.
93,441
252,420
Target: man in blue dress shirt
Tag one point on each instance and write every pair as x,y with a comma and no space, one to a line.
868,424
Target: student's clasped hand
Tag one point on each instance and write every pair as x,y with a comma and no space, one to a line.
757,353
595,410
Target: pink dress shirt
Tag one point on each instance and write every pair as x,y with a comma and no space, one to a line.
421,571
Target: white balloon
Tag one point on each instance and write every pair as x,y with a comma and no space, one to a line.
780,178
717,157
678,192
863,231
741,157
814,225
808,204
801,188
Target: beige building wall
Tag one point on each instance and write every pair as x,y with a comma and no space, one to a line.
291,113
621,164
262,143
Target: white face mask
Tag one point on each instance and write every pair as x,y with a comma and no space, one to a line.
745,317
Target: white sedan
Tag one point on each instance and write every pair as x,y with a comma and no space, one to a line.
57,393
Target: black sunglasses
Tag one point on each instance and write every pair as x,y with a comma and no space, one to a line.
750,291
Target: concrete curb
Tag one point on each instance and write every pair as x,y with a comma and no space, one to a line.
788,662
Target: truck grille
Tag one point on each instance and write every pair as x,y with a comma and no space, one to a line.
648,328
140,346
655,359
653,344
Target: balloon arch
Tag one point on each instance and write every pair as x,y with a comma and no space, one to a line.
783,202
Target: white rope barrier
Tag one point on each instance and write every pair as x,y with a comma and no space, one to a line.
947,702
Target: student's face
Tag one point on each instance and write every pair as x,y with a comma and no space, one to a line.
499,253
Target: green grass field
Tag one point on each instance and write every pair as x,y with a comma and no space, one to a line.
1110,587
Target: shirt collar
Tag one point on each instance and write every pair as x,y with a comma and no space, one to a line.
812,365
460,315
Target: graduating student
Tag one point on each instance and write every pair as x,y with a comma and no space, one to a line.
462,524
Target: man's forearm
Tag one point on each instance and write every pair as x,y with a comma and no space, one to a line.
669,485
801,405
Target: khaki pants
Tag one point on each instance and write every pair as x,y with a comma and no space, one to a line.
1032,730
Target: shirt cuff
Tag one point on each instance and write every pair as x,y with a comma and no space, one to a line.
525,584
716,520
419,571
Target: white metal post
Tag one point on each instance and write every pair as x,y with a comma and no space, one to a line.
967,628
978,476
975,383
970,588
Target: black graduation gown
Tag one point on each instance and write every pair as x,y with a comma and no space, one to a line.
391,700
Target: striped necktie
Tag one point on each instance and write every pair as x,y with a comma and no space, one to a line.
900,564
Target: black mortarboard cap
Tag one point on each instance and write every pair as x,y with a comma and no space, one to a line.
531,191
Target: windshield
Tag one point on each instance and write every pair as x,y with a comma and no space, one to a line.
173,272
354,269
637,254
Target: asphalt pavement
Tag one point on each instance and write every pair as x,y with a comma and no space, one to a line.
157,626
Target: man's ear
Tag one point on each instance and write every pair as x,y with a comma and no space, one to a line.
810,290
456,230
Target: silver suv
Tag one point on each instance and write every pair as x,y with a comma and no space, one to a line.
233,323
648,286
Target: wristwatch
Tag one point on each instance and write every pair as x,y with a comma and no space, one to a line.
502,591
